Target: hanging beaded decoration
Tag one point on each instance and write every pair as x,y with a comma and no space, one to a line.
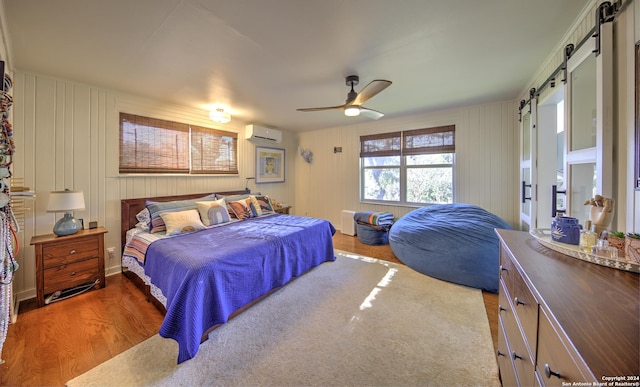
8,265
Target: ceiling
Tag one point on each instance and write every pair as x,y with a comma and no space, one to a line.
262,59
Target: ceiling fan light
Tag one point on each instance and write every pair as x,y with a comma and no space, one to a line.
220,116
352,111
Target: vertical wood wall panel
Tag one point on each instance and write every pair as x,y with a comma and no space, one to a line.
331,183
69,138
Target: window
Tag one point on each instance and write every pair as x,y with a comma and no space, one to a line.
149,145
410,167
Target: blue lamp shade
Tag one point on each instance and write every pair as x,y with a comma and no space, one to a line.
66,201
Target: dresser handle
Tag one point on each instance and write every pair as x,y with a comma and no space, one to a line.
518,302
72,252
73,273
499,353
548,372
501,309
516,356
502,268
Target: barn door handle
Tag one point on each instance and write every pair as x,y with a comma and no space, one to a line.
525,186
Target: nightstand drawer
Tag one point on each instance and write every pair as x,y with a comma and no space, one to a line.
67,276
71,251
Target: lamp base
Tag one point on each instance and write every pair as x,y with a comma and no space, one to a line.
67,225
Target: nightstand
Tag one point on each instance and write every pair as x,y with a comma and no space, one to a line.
282,210
63,262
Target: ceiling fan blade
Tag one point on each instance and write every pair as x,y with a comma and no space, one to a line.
373,114
373,88
320,108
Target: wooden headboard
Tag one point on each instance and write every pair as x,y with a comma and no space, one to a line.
129,208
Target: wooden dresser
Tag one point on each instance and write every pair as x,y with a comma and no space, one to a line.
63,262
562,320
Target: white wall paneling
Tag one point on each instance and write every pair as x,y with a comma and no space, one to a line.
485,173
67,136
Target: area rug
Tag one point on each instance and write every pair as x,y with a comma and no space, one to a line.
356,321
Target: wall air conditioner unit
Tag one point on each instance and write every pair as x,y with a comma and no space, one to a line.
260,133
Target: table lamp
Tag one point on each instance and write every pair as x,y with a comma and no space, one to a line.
66,201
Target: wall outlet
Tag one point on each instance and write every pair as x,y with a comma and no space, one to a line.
112,252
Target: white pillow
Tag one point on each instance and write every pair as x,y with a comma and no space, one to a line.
213,212
182,222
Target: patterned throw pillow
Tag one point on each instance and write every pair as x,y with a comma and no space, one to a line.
265,204
241,209
255,206
157,208
182,222
214,212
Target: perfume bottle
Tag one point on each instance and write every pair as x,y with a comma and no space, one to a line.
588,237
604,250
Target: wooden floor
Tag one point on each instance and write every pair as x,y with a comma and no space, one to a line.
49,346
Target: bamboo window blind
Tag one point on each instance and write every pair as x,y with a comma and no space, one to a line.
150,145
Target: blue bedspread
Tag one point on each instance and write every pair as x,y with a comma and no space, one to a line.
207,275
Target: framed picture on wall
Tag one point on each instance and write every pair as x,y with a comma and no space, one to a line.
269,165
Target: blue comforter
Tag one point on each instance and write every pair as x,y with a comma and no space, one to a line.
208,275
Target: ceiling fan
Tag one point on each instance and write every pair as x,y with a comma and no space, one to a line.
353,105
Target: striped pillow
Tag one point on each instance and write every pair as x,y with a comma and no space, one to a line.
158,208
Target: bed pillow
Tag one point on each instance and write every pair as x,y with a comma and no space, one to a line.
255,206
182,222
144,220
158,208
144,216
241,209
233,198
213,212
265,204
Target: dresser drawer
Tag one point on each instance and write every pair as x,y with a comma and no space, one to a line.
518,352
67,276
71,251
505,364
555,363
507,270
525,308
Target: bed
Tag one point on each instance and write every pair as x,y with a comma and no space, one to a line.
202,278
452,242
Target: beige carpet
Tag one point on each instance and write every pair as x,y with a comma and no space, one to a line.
356,321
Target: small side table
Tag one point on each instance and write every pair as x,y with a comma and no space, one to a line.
282,210
63,262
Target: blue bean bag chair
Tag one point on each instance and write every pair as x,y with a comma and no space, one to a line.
452,242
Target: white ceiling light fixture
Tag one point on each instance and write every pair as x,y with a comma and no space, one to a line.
352,111
220,116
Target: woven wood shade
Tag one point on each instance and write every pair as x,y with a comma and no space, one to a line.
150,145
409,142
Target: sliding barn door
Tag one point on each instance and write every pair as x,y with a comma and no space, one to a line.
589,141
528,165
